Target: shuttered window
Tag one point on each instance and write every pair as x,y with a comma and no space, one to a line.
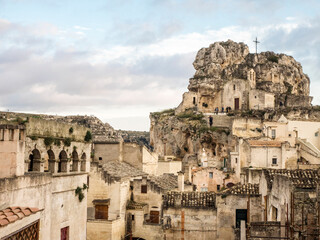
144,189
101,212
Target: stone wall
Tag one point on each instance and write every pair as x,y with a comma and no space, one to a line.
55,196
188,223
106,152
226,213
209,178
169,167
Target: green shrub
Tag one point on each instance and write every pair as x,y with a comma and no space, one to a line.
67,142
34,138
48,141
190,116
57,142
88,136
273,58
71,130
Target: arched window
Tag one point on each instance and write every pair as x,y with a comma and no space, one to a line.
75,156
62,157
34,156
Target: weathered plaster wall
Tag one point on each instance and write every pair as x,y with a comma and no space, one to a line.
149,161
262,157
201,178
236,88
132,154
226,213
259,99
117,192
41,127
11,152
101,229
153,197
107,152
188,223
306,130
187,102
55,195
247,128
169,167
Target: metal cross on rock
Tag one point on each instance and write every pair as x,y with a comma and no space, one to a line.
256,42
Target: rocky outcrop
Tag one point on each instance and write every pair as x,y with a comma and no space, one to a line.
187,134
189,137
222,61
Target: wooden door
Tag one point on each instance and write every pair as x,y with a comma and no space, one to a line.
65,233
101,212
236,104
154,217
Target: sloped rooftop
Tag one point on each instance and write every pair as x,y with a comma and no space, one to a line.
165,181
242,189
12,214
301,178
122,170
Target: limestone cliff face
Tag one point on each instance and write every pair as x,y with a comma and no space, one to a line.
188,137
185,132
222,61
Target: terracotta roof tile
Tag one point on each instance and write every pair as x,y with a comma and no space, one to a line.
242,189
301,178
12,214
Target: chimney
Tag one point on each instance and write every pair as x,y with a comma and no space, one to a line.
181,181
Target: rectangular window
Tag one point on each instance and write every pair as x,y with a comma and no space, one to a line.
144,189
236,160
218,187
101,212
274,161
100,158
132,217
210,174
65,233
273,133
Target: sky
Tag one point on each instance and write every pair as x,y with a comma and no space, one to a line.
122,59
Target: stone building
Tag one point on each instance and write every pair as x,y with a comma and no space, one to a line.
290,200
124,201
43,185
133,153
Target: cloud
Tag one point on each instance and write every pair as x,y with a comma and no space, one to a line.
41,72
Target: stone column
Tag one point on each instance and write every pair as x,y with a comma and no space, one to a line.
76,166
180,181
65,165
53,166
38,165
26,165
83,166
